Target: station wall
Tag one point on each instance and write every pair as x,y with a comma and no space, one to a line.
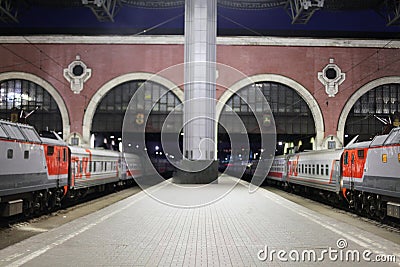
295,62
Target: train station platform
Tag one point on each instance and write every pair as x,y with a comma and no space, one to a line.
239,229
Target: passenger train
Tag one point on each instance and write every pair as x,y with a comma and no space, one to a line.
39,174
364,176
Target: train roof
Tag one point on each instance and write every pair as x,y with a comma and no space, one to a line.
55,142
319,153
359,145
93,151
17,131
387,139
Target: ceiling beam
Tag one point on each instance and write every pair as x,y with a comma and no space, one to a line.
104,10
8,12
300,11
390,9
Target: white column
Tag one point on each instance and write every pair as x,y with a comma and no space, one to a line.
200,91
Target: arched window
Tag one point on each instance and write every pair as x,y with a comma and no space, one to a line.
110,112
32,104
293,118
365,117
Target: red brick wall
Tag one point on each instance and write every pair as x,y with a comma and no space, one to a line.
109,61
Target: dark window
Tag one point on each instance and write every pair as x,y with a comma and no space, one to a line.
346,158
26,154
10,154
326,170
360,154
50,150
65,155
331,73
77,70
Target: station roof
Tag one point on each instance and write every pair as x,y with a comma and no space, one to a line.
297,18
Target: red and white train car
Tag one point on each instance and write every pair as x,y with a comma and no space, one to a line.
91,167
316,169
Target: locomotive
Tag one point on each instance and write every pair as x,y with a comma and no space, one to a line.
365,175
39,174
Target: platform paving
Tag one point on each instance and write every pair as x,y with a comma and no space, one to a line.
233,231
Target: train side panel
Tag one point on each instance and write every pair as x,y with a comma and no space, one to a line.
130,166
278,170
91,167
319,169
22,167
57,161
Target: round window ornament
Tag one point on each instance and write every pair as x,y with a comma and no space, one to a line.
77,74
331,77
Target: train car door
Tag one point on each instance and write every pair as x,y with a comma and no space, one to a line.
352,169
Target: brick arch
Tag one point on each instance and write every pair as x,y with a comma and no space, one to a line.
353,99
300,89
49,88
98,96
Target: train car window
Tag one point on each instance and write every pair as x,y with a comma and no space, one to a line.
317,169
313,169
322,169
10,153
302,168
26,154
65,155
327,170
80,167
105,166
346,158
50,150
360,153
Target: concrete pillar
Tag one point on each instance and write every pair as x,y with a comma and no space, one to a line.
199,153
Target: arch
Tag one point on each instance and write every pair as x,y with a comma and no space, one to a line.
301,90
98,96
49,88
353,99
